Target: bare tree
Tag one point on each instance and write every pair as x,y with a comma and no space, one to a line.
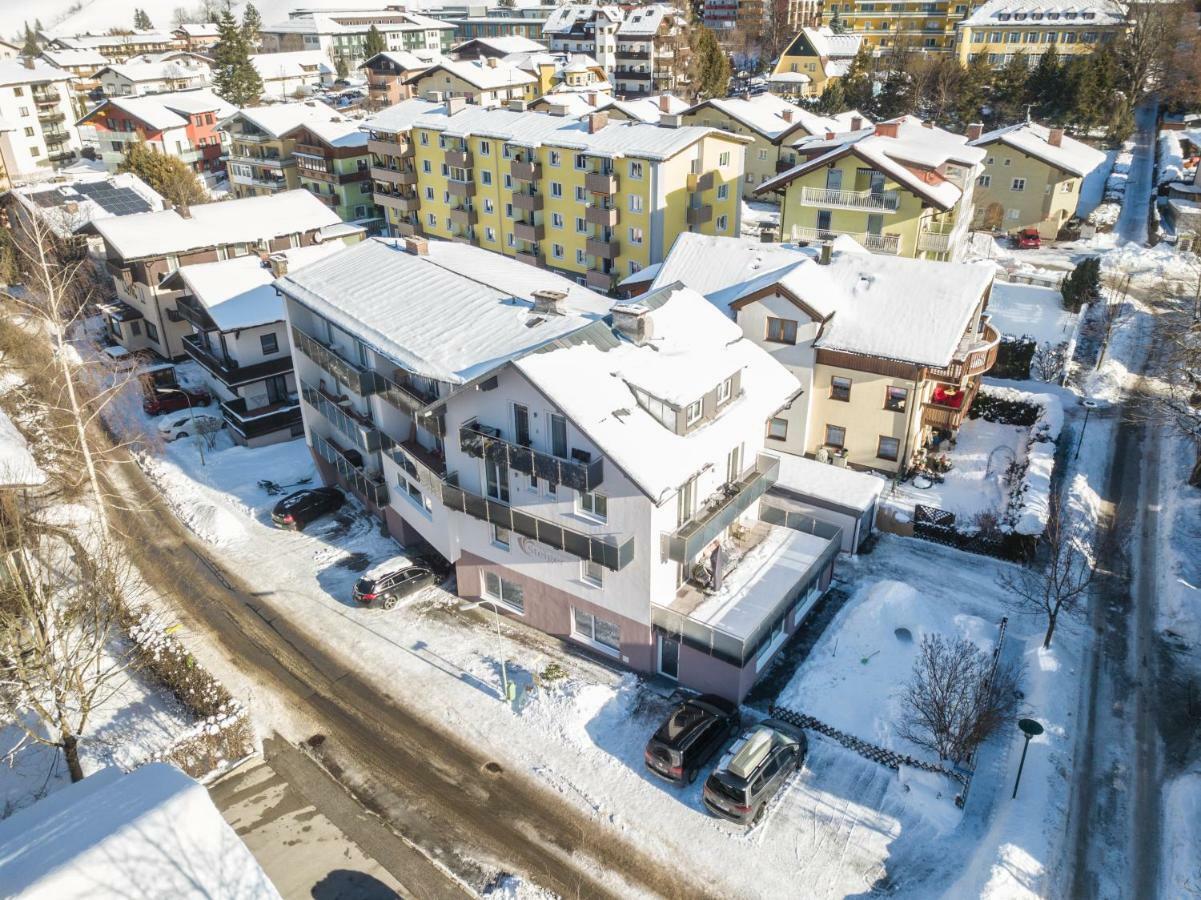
1060,587
955,699
1048,361
1173,397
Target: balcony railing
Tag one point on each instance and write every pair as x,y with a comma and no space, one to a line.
877,201
935,239
877,243
403,393
598,281
528,202
358,429
577,474
225,369
526,171
390,148
600,183
699,215
406,203
464,217
51,115
722,510
423,465
530,233
351,374
460,159
461,188
393,176
604,216
252,423
602,249
614,557
976,354
370,487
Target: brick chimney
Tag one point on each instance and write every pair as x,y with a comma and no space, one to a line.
887,129
1055,137
856,123
417,246
593,98
491,62
664,103
829,135
787,115
827,252
549,302
278,263
974,131
597,121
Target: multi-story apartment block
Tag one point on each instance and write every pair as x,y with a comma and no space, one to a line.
116,48
773,126
592,199
287,76
926,26
142,250
333,163
1000,29
1032,177
652,51
585,28
183,124
815,58
261,159
240,339
390,75
36,102
471,21
899,187
889,351
134,79
198,37
83,66
342,34
469,402
482,82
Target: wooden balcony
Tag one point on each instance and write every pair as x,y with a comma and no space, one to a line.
525,171
460,159
598,183
604,216
310,150
390,148
528,232
406,203
393,176
461,188
463,217
528,202
603,249
699,215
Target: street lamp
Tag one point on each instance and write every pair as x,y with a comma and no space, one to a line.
504,667
1089,406
1030,728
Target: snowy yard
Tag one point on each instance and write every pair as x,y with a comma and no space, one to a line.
1029,310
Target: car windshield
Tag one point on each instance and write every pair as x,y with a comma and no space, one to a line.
735,793
681,721
179,422
294,500
365,585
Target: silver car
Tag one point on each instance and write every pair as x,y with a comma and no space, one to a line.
753,769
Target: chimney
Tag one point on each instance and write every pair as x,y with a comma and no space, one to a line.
669,121
927,124
768,234
455,105
417,246
184,210
557,109
827,252
974,131
1055,137
28,61
597,121
856,123
786,115
491,62
593,98
633,321
549,302
167,204
278,262
518,106
886,129
665,103
829,135
433,97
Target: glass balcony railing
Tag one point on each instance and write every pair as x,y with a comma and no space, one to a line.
723,509
578,474
357,429
369,487
354,376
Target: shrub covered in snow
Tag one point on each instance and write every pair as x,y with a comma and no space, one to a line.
1105,216
1169,164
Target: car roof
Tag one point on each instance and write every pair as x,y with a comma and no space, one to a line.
758,744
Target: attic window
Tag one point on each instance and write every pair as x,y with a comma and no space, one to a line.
664,412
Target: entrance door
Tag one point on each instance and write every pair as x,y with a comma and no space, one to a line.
277,389
669,656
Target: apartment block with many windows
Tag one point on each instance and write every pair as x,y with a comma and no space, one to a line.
261,142
470,402
926,26
333,163
653,52
36,108
1000,29
585,28
592,199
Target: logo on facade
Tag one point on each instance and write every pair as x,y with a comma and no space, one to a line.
531,547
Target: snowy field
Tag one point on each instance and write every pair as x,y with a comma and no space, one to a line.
1028,310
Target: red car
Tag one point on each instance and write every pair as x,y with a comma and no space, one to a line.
1028,239
173,400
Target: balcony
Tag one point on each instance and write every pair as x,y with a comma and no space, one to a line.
876,243
262,420
875,201
461,189
254,159
530,258
356,428
394,176
528,232
330,200
227,370
602,249
935,238
60,155
600,183
46,98
528,202
406,203
399,148
402,229
525,171
460,159
402,392
599,281
309,150
699,215
428,467
634,54
703,182
602,551
368,486
975,355
464,217
51,115
354,376
604,216
947,409
580,474
722,510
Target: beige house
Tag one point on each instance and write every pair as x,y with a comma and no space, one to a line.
815,58
482,82
1031,179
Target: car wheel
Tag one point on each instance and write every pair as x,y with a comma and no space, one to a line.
692,773
390,601
182,434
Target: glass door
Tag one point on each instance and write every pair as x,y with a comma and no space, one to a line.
669,656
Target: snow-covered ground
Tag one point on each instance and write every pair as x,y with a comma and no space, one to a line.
1029,310
756,214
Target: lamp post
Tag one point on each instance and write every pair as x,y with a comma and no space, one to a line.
1089,406
504,666
1030,728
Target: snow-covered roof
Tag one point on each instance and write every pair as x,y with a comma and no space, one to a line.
1070,155
791,78
504,44
294,64
833,45
141,72
200,29
572,16
67,58
692,350
18,468
769,115
69,205
354,21
14,71
243,220
280,118
338,133
846,487
916,144
400,116
196,101
479,74
579,103
453,314
239,293
163,111
643,21
132,39
152,832
645,275
1060,12
407,60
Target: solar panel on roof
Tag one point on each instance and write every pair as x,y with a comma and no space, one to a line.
120,201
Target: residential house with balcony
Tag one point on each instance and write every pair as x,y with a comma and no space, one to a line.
588,28
342,34
197,37
260,157
36,102
333,163
641,109
927,26
653,52
498,47
593,471
902,187
816,58
116,48
240,339
135,79
289,76
141,251
389,75
83,66
592,199
481,82
1032,177
889,351
998,30
182,124
773,125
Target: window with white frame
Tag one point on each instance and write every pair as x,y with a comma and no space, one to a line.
723,159
723,192
595,629
722,222
592,504
501,537
507,592
725,390
635,203
1019,184
557,251
693,414
592,573
635,235
635,168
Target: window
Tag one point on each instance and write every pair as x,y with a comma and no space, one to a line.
781,331
593,504
485,177
269,343
558,436
557,251
135,328
694,412
896,399
635,235
581,256
591,573
425,166
556,220
723,192
1019,184
984,181
722,222
485,148
581,226
592,628
152,331
556,189
500,537
490,235
496,476
580,194
889,448
836,436
723,159
635,169
555,158
840,388
777,429
635,203
724,390
29,132
507,592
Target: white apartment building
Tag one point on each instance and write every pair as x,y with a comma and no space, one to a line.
288,75
592,470
585,28
134,79
35,102
652,51
342,33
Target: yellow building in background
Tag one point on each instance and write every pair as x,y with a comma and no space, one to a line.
882,25
1000,29
816,57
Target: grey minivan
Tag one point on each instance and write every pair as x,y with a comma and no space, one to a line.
753,769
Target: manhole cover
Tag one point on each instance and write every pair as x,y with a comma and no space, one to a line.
904,635
493,768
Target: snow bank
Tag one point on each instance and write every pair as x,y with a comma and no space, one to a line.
1030,502
1180,874
1170,166
1115,185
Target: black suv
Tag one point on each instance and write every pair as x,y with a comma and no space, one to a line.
391,587
695,730
298,509
754,769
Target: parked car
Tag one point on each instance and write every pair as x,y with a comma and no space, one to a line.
691,734
753,769
299,509
174,400
390,588
1028,239
188,424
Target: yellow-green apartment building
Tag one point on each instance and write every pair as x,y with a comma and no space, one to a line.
1000,29
1031,179
815,58
902,187
883,23
592,199
262,144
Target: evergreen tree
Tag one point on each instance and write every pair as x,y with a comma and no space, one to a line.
833,99
374,43
836,23
251,23
895,97
973,89
31,42
234,76
712,67
857,85
168,175
1044,87
1008,95
340,68
141,21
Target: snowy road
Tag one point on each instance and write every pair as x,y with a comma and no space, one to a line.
1132,224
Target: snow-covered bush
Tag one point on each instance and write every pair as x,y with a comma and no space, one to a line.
1169,166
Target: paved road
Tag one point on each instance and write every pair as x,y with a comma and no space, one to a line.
443,795
1132,222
